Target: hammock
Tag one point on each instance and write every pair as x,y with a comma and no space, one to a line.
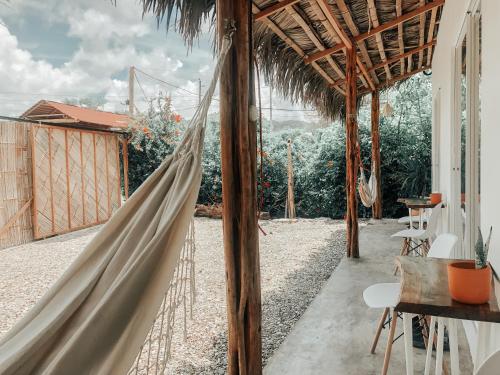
367,190
97,316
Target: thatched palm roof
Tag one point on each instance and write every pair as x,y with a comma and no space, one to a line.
300,43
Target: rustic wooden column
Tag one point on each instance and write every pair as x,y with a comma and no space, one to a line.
351,154
239,192
375,117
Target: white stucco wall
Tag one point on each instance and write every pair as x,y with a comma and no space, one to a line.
443,81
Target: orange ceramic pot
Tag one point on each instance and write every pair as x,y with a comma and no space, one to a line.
468,284
436,198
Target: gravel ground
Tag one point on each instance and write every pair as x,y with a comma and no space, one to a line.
296,259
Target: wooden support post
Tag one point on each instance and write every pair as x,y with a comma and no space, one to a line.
125,166
291,195
239,192
351,155
375,117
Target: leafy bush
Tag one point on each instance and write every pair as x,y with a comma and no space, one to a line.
318,156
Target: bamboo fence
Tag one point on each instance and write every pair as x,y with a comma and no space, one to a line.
55,180
76,179
15,184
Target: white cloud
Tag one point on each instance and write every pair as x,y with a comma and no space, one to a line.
94,25
110,39
20,73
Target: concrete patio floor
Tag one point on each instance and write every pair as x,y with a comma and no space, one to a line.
335,333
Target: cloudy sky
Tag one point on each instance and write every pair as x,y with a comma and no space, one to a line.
75,50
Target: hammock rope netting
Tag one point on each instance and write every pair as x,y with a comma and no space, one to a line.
181,295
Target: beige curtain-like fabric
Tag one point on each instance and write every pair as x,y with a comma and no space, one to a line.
96,316
367,190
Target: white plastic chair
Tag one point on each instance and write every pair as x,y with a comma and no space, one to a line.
491,365
415,240
410,221
386,295
407,220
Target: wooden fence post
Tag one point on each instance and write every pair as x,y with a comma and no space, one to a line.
375,118
351,154
239,192
124,143
291,195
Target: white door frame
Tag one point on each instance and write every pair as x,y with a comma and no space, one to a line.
470,30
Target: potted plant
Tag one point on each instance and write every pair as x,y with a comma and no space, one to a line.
435,198
469,281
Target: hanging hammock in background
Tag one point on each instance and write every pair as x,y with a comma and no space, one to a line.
367,190
96,318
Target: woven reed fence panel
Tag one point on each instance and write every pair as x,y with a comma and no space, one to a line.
113,163
89,189
15,184
102,186
76,179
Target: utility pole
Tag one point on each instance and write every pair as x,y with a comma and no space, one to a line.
271,106
131,79
199,91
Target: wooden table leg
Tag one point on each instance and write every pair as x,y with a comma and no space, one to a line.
408,337
454,358
430,345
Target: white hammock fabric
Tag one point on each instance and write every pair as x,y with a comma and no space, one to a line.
367,190
96,317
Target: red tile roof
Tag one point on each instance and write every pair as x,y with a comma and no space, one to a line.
46,110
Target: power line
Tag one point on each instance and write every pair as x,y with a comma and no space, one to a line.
140,86
166,83
171,84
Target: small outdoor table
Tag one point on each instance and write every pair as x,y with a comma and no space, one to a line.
419,204
424,291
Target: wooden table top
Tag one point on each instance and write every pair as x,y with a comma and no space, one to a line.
417,203
424,290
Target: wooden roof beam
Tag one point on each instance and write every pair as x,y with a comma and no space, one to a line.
314,38
324,53
401,43
270,10
421,38
328,11
362,67
385,26
327,25
371,80
396,21
372,11
430,35
386,84
346,40
404,76
291,43
402,56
